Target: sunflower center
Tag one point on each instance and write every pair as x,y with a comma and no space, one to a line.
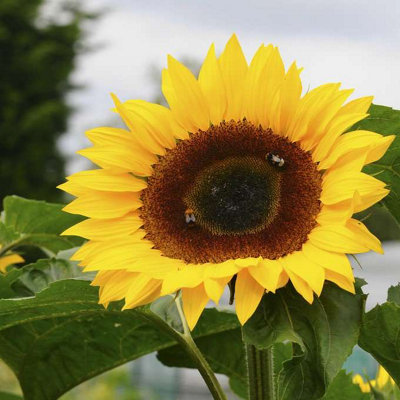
234,196
233,191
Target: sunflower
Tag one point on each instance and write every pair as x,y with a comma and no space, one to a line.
382,379
9,259
241,181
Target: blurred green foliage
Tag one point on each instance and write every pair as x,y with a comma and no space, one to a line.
37,54
115,384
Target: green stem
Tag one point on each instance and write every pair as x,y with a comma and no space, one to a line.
186,341
198,358
260,367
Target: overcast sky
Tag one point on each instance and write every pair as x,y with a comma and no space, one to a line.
356,42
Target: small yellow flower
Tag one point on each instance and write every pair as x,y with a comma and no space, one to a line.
241,176
9,259
381,380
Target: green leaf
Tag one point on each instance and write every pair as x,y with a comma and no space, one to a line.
62,337
37,223
380,336
165,308
9,396
323,335
394,294
6,290
34,277
37,276
386,121
7,234
342,388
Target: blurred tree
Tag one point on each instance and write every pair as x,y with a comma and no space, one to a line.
37,56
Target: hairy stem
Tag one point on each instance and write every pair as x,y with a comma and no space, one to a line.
260,367
197,357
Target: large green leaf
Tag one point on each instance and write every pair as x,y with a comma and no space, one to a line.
394,294
380,333
323,335
62,337
37,223
9,396
37,276
386,121
342,388
34,277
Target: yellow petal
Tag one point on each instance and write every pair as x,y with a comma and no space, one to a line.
152,263
215,288
221,270
107,180
283,279
106,229
267,273
350,162
310,107
309,271
134,257
301,287
140,128
343,239
248,294
338,125
339,213
183,93
335,262
107,136
326,122
247,262
123,159
97,204
142,290
340,280
115,287
194,301
342,186
156,122
212,86
101,254
357,106
252,90
374,144
289,97
371,241
189,277
9,260
269,83
233,68
159,119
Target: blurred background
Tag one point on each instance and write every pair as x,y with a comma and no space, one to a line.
60,60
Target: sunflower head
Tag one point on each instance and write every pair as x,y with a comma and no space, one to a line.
242,179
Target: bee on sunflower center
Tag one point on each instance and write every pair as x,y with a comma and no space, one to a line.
189,217
275,160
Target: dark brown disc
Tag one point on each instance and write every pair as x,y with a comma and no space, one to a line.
243,204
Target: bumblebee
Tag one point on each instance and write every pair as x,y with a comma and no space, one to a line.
275,160
189,217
